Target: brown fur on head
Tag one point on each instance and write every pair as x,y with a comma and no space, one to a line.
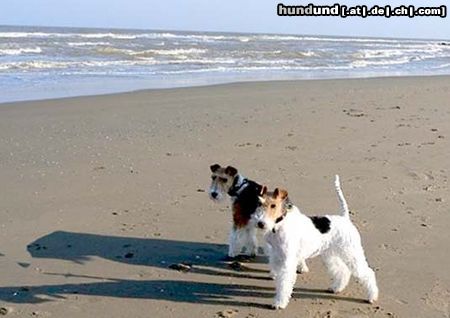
222,179
273,205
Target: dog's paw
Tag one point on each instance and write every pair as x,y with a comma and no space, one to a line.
303,270
372,299
279,304
277,307
333,290
272,275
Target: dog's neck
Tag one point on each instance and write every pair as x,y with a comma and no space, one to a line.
239,184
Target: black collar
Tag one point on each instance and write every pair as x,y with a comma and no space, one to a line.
278,220
235,188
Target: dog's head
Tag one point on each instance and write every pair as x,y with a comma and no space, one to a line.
271,209
222,179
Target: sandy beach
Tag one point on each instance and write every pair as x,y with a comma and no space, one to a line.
102,194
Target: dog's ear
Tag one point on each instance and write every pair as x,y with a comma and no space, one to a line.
275,193
280,194
283,194
231,171
214,167
262,200
263,191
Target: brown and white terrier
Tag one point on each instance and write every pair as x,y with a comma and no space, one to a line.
244,198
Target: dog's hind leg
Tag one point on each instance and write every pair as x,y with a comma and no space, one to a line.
339,272
302,267
366,276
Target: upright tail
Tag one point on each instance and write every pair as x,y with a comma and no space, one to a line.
343,204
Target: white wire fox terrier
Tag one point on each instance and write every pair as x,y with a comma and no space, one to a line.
294,237
244,195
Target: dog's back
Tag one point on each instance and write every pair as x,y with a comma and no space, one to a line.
246,203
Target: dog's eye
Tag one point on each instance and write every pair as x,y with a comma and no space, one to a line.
272,206
223,179
213,177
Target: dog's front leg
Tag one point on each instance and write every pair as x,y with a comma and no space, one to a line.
285,279
274,262
251,243
234,244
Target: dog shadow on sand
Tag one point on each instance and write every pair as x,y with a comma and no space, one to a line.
199,257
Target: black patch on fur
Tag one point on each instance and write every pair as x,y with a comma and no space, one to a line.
322,223
248,198
214,167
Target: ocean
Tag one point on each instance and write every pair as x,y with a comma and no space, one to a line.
48,62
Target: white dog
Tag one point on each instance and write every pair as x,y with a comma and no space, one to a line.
294,237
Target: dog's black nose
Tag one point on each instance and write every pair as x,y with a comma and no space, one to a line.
261,225
214,194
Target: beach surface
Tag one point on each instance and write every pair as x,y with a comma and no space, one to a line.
102,195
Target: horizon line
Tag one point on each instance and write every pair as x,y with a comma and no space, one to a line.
229,32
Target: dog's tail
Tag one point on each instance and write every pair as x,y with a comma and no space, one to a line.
343,204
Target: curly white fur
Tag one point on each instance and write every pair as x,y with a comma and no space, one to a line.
295,239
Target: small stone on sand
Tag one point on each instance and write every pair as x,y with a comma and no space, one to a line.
181,267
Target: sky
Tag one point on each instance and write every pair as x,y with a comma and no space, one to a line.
253,16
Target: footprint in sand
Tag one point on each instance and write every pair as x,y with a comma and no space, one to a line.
439,298
228,313
391,248
354,112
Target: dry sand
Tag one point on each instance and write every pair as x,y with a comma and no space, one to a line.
100,195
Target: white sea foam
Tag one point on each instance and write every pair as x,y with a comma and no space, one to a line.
22,34
250,69
52,53
71,35
206,37
31,65
360,40
277,38
416,53
87,43
369,54
386,62
45,65
109,50
126,36
107,35
20,51
174,51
